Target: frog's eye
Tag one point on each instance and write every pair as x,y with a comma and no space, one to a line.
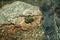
29,19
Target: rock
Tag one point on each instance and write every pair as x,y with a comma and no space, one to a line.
10,12
12,19
25,26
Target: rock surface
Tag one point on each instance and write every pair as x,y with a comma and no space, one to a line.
13,25
17,9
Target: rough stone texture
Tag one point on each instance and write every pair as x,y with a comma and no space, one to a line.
17,9
12,22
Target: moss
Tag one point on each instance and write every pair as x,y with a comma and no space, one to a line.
29,19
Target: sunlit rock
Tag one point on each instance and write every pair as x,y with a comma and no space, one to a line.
21,20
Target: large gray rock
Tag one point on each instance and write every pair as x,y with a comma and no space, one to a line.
13,25
10,12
